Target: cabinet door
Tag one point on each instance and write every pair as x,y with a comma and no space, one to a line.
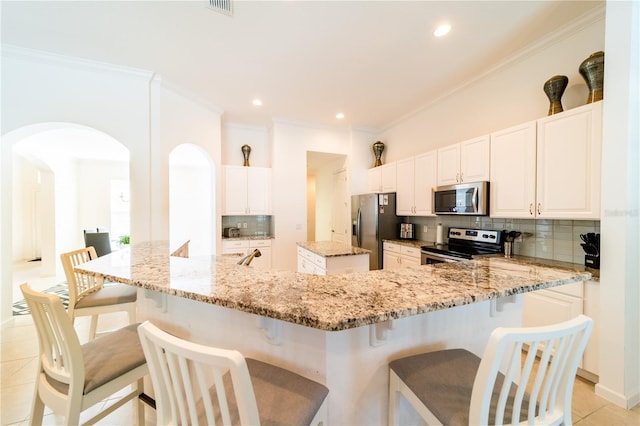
544,307
258,190
513,172
568,164
374,179
388,177
390,260
426,176
405,179
235,190
474,160
449,165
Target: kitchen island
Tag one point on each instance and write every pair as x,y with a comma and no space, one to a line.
341,330
331,258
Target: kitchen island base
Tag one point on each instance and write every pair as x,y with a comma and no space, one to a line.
352,363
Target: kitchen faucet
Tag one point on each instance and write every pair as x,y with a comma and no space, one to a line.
248,258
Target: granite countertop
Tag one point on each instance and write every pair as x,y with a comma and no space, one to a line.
411,243
332,249
331,303
595,273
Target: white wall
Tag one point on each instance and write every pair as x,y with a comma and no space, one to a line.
236,135
620,224
510,95
290,145
148,117
179,118
44,88
94,196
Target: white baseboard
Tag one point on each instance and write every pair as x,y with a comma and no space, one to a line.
623,401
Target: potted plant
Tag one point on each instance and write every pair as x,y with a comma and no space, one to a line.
124,240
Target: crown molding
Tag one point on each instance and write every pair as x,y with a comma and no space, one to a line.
11,51
169,85
572,28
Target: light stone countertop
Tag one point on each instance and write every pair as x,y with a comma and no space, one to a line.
332,249
331,303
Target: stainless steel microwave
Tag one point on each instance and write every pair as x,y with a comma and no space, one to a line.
462,199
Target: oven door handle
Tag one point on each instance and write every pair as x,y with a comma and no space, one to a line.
439,257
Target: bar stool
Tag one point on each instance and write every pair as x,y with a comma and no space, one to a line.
88,296
238,390
74,377
456,387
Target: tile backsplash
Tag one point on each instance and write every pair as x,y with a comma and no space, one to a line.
548,239
255,225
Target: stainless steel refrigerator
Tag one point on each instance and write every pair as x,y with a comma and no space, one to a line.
373,218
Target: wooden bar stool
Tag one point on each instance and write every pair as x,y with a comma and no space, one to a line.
74,377
196,384
456,387
88,296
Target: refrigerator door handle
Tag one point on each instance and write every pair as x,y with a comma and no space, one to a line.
358,230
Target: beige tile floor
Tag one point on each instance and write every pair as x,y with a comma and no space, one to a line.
18,356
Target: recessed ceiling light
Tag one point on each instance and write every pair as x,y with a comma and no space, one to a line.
442,30
339,116
257,102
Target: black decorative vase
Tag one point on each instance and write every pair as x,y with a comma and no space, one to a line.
246,151
592,70
554,88
378,148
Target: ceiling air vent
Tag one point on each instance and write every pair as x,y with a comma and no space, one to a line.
222,6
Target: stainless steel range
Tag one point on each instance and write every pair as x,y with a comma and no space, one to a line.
463,244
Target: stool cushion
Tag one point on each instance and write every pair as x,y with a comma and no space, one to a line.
282,396
443,381
107,358
109,295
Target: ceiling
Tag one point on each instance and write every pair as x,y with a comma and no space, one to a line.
375,61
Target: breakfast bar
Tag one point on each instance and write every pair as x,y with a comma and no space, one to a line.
341,330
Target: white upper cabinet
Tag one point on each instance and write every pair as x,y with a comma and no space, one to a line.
247,190
549,169
382,178
467,161
568,164
513,172
416,177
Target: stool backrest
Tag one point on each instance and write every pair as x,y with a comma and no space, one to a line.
549,382
79,284
183,373
60,352
99,240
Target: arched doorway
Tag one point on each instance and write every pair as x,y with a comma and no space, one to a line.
191,199
62,178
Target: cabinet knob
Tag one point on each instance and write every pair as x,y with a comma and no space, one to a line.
531,209
539,208
461,177
457,177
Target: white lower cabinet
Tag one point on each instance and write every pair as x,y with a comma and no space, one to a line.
312,263
396,256
562,303
244,247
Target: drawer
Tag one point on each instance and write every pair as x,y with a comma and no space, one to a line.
312,257
236,244
259,243
410,251
395,248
